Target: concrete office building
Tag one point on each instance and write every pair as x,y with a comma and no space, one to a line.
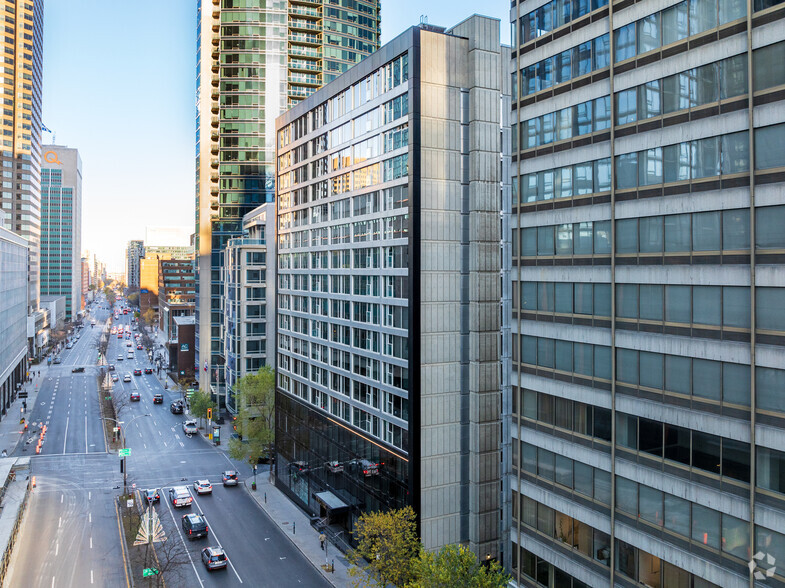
149,272
61,227
134,253
388,289
649,292
21,150
254,60
249,298
13,315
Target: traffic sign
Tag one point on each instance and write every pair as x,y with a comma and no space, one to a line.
149,572
125,452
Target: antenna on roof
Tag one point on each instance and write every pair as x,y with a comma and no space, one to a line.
423,19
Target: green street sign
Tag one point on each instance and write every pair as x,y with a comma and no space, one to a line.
125,452
149,572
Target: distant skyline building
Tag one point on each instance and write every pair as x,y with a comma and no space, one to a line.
648,256
255,59
133,254
21,149
61,227
388,288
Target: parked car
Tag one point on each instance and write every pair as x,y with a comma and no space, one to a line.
203,487
230,478
213,558
176,407
158,398
194,526
190,428
180,496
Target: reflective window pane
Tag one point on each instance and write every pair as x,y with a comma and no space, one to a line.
770,147
648,33
677,232
706,526
624,40
736,229
678,304
707,379
736,306
769,221
650,234
736,383
707,305
706,233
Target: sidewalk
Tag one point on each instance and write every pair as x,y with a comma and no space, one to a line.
297,526
11,430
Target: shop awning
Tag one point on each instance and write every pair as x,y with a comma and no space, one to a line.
330,501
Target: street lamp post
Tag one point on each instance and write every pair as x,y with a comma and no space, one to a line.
122,438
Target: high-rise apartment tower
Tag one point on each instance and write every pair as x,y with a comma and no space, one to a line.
649,293
255,59
21,149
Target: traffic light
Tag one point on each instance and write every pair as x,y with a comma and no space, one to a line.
209,414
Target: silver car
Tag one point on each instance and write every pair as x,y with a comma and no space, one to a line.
190,428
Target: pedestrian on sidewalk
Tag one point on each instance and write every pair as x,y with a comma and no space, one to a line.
322,539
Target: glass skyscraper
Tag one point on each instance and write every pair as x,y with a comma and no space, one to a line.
61,227
648,408
255,59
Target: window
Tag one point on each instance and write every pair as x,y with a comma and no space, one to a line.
770,147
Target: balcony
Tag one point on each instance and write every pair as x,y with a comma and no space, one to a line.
304,25
305,39
214,121
306,52
214,162
304,11
306,3
215,81
303,65
298,92
305,79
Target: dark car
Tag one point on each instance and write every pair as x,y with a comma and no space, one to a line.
213,558
151,495
194,526
148,370
137,372
111,367
158,398
139,347
135,396
77,370
176,407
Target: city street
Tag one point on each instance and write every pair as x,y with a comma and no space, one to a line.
70,536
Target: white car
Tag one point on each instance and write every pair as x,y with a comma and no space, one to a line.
180,496
203,487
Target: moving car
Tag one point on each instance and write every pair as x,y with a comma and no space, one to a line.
135,396
190,428
139,347
120,357
158,398
127,378
137,372
151,495
111,367
148,370
203,487
180,496
127,343
176,407
213,558
77,370
56,360
194,526
115,378
230,478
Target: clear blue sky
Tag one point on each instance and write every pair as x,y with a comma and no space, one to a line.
119,85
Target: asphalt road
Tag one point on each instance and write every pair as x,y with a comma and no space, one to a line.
70,536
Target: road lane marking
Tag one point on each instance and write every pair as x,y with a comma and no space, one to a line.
182,538
57,548
91,542
65,437
91,571
59,522
89,515
61,499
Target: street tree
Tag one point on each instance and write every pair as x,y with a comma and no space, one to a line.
133,298
255,401
110,295
148,316
456,565
200,402
387,549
